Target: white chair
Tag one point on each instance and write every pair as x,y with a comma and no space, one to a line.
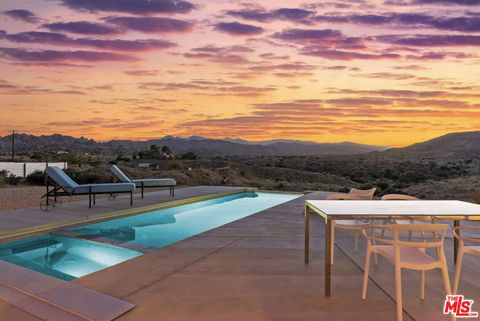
407,255
403,197
462,249
352,225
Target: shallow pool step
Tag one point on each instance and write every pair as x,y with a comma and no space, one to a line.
51,299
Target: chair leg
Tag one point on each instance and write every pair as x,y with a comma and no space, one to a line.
446,279
131,198
89,197
422,285
398,291
94,199
142,189
366,272
458,269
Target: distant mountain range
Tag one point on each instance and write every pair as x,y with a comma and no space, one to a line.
25,143
453,144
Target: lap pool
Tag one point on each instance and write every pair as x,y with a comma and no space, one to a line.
72,257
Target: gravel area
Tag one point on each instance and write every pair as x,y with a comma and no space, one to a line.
24,196
12,197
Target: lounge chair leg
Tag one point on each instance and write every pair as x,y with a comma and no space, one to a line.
142,189
131,198
173,191
89,197
48,197
94,199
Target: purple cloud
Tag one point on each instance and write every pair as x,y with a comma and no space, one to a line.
457,2
23,15
49,56
335,54
432,40
307,35
320,37
238,29
142,7
82,27
223,55
152,24
114,44
259,15
464,24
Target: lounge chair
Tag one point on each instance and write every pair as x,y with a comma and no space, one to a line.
64,185
144,183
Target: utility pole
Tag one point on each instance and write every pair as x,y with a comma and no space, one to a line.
13,146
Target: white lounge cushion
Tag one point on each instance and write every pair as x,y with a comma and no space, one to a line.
154,182
117,172
104,188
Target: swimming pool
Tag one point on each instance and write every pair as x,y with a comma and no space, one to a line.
66,258
72,257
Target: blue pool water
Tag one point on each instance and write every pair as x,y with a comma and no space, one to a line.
160,228
68,258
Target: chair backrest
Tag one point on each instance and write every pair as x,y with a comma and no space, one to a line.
397,231
400,197
344,196
61,178
362,193
117,172
468,233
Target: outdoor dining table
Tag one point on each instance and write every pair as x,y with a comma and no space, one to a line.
335,210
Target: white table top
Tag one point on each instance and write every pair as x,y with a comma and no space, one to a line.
394,208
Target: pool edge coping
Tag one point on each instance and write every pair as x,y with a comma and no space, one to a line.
50,227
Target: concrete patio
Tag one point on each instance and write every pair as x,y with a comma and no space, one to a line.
251,269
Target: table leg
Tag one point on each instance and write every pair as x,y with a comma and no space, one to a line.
307,234
328,255
456,223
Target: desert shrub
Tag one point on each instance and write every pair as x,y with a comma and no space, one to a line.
86,177
476,195
36,178
3,177
173,164
190,156
13,180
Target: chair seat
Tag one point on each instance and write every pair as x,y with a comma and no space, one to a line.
153,182
472,249
350,224
408,255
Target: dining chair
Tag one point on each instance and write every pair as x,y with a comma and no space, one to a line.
352,225
404,197
462,249
407,255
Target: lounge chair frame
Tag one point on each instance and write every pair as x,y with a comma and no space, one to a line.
59,191
116,179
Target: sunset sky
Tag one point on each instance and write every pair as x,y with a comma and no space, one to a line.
390,72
